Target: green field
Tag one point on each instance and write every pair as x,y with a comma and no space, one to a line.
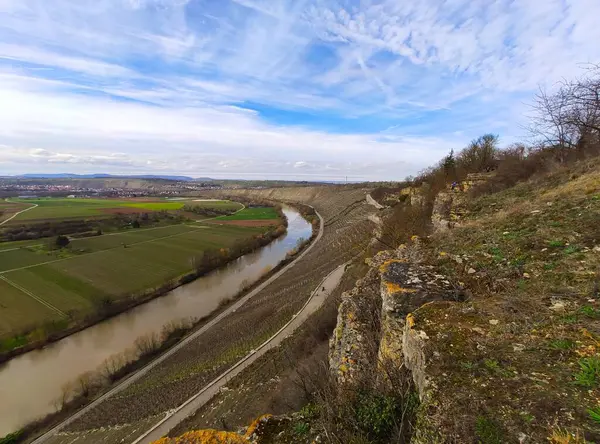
57,208
98,269
19,244
219,204
259,213
17,255
156,206
18,312
64,208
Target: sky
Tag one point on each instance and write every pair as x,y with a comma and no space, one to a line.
275,89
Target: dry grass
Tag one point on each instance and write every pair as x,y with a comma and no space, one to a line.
530,258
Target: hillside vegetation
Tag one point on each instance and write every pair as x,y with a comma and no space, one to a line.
478,320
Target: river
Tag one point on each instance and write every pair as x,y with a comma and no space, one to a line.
31,384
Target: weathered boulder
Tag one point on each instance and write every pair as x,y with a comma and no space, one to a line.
379,328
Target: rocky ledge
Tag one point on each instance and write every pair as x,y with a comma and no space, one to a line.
381,322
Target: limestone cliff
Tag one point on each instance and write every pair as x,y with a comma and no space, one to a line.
518,360
377,324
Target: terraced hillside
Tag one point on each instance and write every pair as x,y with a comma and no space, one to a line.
346,233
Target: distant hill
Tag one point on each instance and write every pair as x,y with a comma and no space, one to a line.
106,176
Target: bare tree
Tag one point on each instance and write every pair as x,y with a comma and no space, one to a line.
480,155
112,365
569,117
147,344
66,394
86,383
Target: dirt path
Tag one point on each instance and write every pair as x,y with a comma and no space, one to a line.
174,417
16,214
31,295
140,373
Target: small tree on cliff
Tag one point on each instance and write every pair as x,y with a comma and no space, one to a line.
449,166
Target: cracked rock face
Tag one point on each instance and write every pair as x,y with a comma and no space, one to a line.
350,349
440,216
372,318
405,286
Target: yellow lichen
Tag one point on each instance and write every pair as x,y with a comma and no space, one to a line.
208,436
256,425
395,288
410,320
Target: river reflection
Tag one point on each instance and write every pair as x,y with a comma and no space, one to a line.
31,384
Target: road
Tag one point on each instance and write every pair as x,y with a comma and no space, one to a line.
16,214
174,417
140,373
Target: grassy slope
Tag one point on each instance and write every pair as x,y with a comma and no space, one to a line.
530,257
266,213
219,204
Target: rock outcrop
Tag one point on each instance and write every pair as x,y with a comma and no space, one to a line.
354,340
376,321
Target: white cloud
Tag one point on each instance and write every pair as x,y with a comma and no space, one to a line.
274,86
85,130
19,54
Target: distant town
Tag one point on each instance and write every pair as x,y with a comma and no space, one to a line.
27,188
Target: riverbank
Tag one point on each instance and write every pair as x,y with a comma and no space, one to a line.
275,255
114,308
32,430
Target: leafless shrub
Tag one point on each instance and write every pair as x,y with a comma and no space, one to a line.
87,383
67,391
147,344
405,221
112,365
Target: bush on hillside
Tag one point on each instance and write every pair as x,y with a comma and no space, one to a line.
62,241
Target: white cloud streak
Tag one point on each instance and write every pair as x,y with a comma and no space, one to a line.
274,86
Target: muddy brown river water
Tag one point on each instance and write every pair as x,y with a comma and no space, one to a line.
31,384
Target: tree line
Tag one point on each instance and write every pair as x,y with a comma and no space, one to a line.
564,128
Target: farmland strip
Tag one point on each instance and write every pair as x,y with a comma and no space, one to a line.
89,254
28,293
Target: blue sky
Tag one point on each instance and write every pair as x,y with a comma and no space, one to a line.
297,89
